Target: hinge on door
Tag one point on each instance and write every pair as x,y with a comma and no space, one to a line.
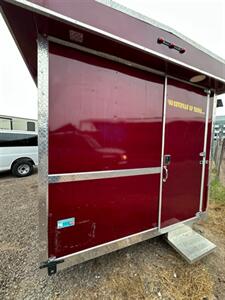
202,154
208,92
204,161
51,264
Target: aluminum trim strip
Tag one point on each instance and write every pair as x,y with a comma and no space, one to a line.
81,176
57,16
204,150
43,73
90,253
162,153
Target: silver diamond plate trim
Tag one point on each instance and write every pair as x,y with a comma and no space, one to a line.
43,68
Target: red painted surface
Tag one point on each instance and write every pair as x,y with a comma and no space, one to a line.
113,22
105,210
184,139
102,115
132,29
106,116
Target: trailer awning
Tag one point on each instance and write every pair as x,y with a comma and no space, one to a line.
113,33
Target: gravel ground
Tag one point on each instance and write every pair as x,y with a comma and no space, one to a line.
149,270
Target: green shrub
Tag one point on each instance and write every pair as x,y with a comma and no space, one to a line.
217,191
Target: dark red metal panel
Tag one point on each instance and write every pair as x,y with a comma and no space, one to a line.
102,115
112,21
184,139
132,29
104,210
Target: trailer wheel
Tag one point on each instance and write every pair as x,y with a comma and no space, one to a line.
22,168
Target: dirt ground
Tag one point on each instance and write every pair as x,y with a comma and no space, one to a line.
149,270
222,171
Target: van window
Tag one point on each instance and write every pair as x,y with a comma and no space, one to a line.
17,140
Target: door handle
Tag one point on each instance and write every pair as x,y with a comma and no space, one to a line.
166,173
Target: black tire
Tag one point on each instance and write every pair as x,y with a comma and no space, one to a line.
22,168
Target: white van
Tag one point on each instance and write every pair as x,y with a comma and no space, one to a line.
18,152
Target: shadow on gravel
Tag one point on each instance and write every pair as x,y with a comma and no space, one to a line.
8,174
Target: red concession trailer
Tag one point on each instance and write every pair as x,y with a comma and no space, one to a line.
125,121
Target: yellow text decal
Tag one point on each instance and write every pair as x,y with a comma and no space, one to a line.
185,106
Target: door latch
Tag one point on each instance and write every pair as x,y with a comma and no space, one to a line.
166,163
166,172
167,159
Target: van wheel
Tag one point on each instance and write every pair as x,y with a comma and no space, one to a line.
22,168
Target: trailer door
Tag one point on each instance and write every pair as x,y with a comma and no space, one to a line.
186,110
104,146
